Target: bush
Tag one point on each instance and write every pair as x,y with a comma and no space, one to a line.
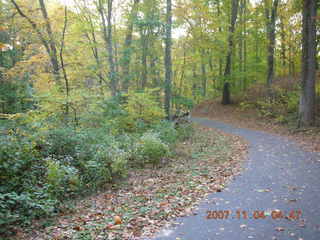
150,149
185,131
17,156
167,132
21,208
143,110
61,179
105,163
59,142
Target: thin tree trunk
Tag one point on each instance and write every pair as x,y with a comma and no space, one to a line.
245,46
95,53
167,59
182,70
307,97
127,52
203,74
194,84
53,52
116,51
65,76
144,51
227,72
219,29
271,15
107,35
283,45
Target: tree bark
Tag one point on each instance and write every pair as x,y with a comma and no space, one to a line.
107,35
96,55
271,15
127,52
283,44
203,73
144,52
167,59
52,44
65,76
307,97
227,72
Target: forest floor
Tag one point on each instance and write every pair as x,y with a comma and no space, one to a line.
150,199
308,138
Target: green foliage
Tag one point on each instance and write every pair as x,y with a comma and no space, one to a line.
150,149
17,157
293,101
143,109
167,132
17,208
15,96
61,179
185,131
182,103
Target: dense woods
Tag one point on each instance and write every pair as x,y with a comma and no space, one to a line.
88,88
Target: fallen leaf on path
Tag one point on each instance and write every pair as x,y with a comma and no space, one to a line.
279,229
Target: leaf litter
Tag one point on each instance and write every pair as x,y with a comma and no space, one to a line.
150,199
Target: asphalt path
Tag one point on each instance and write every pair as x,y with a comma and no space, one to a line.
276,197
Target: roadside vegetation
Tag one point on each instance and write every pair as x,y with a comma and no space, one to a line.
150,198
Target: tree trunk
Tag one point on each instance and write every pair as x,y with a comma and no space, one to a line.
167,59
271,15
107,36
93,42
65,76
144,51
227,72
283,45
53,53
127,52
203,74
48,44
226,94
245,46
307,97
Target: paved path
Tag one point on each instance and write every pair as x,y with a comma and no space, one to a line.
278,175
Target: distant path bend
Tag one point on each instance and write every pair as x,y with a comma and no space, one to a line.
277,175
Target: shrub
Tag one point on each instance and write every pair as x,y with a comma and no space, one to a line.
61,179
17,156
185,131
150,149
167,132
59,141
143,109
22,207
293,102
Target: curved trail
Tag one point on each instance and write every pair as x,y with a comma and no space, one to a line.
277,175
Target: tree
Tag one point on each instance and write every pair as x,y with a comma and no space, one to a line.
307,97
47,41
107,35
127,51
271,16
227,72
167,59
